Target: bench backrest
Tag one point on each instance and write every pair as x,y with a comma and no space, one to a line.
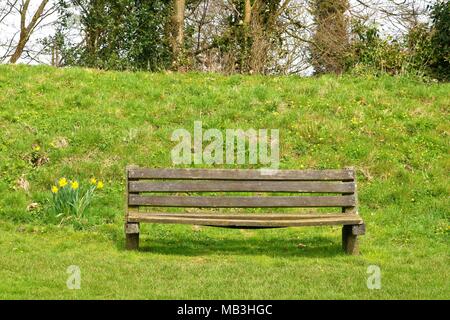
173,188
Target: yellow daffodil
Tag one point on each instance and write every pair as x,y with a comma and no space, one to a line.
55,189
74,185
100,185
93,181
62,182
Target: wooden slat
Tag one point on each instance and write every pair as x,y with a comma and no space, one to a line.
312,221
128,207
242,202
245,216
239,174
242,186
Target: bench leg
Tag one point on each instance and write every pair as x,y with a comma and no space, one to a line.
132,236
350,235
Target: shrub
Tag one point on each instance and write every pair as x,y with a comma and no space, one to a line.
419,50
371,52
408,55
440,41
118,34
424,51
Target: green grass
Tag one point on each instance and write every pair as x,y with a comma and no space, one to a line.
91,123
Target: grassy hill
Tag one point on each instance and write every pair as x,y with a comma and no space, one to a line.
82,123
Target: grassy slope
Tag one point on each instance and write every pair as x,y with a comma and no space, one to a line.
395,131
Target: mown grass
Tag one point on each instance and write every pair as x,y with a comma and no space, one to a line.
91,123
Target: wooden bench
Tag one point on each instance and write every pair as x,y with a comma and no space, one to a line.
147,189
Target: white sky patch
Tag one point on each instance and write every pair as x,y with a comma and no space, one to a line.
10,28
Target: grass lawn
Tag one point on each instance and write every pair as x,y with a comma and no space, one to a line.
82,123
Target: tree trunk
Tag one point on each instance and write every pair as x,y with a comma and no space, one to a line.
330,42
26,31
178,29
23,39
247,12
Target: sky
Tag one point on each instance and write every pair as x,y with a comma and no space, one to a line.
11,25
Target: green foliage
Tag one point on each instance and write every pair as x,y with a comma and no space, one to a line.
440,15
245,47
136,35
124,34
374,53
420,49
424,51
405,56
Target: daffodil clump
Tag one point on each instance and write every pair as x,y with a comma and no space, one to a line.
72,198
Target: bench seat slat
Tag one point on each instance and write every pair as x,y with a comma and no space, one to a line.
242,186
246,216
242,202
242,174
243,221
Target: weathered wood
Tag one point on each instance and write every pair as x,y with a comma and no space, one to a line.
128,208
242,186
342,182
242,202
349,240
359,229
132,241
240,174
132,235
247,216
353,208
350,232
131,228
241,221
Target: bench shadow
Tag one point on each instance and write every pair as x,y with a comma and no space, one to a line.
312,247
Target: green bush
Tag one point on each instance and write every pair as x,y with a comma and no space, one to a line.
423,51
419,50
440,40
119,34
374,54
